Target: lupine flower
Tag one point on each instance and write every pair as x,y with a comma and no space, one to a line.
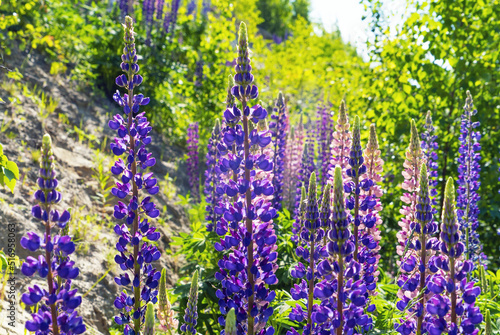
451,306
123,5
310,249
294,149
343,297
173,17
247,234
429,147
414,281
370,209
56,313
279,128
191,7
304,174
148,9
468,181
159,9
325,127
168,322
341,143
363,213
199,73
193,169
413,162
212,177
135,254
191,315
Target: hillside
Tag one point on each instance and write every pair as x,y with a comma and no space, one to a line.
83,116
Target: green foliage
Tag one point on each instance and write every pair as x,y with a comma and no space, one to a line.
9,172
441,50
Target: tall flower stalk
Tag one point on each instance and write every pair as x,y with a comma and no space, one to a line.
56,313
212,176
468,180
429,147
310,249
343,295
451,306
279,128
415,265
249,261
193,169
135,252
191,314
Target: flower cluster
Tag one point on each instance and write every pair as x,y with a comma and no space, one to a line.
248,239
279,128
193,170
449,312
429,147
363,204
311,250
294,148
56,313
325,126
343,295
212,177
341,143
468,181
304,173
415,266
135,253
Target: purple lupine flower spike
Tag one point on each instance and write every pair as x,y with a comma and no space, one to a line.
279,128
56,313
193,170
294,148
429,147
447,312
343,296
248,240
303,181
325,139
212,176
468,180
370,210
311,251
415,265
135,252
191,315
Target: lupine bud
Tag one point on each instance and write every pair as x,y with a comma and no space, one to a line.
168,322
191,315
59,301
488,329
149,325
468,180
230,323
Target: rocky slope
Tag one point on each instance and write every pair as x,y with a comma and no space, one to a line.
78,126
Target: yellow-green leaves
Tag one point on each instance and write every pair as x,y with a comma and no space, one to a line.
9,172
